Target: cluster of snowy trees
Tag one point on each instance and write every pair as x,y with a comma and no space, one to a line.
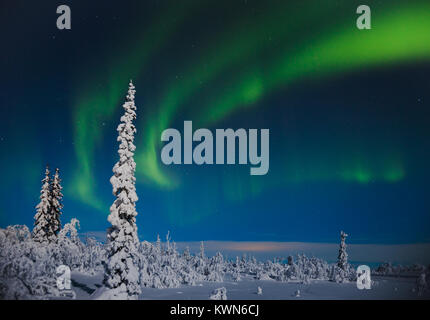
388,269
28,268
47,223
28,260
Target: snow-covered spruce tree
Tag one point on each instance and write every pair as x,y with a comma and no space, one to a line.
168,248
235,270
342,271
187,254
202,251
158,244
121,269
342,259
43,231
215,268
56,202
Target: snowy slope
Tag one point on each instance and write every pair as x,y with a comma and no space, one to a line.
383,288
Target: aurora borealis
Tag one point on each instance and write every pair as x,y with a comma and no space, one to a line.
347,111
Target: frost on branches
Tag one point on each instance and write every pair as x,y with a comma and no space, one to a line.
47,219
342,259
121,269
43,231
28,269
219,294
56,202
342,271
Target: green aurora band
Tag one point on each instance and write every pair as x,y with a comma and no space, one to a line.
96,104
329,44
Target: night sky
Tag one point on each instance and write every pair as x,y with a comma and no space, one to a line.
348,113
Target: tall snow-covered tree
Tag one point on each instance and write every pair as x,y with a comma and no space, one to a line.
43,231
158,243
168,242
56,202
342,259
121,269
202,250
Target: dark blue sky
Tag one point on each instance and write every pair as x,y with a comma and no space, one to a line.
349,130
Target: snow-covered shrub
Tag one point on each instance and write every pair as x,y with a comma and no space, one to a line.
421,284
383,269
161,266
219,294
27,268
235,275
388,269
259,291
302,269
263,275
70,249
93,255
340,275
215,268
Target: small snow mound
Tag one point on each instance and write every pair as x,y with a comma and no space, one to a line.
263,276
421,284
219,294
104,293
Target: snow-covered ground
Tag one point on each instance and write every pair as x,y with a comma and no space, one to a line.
31,270
86,287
